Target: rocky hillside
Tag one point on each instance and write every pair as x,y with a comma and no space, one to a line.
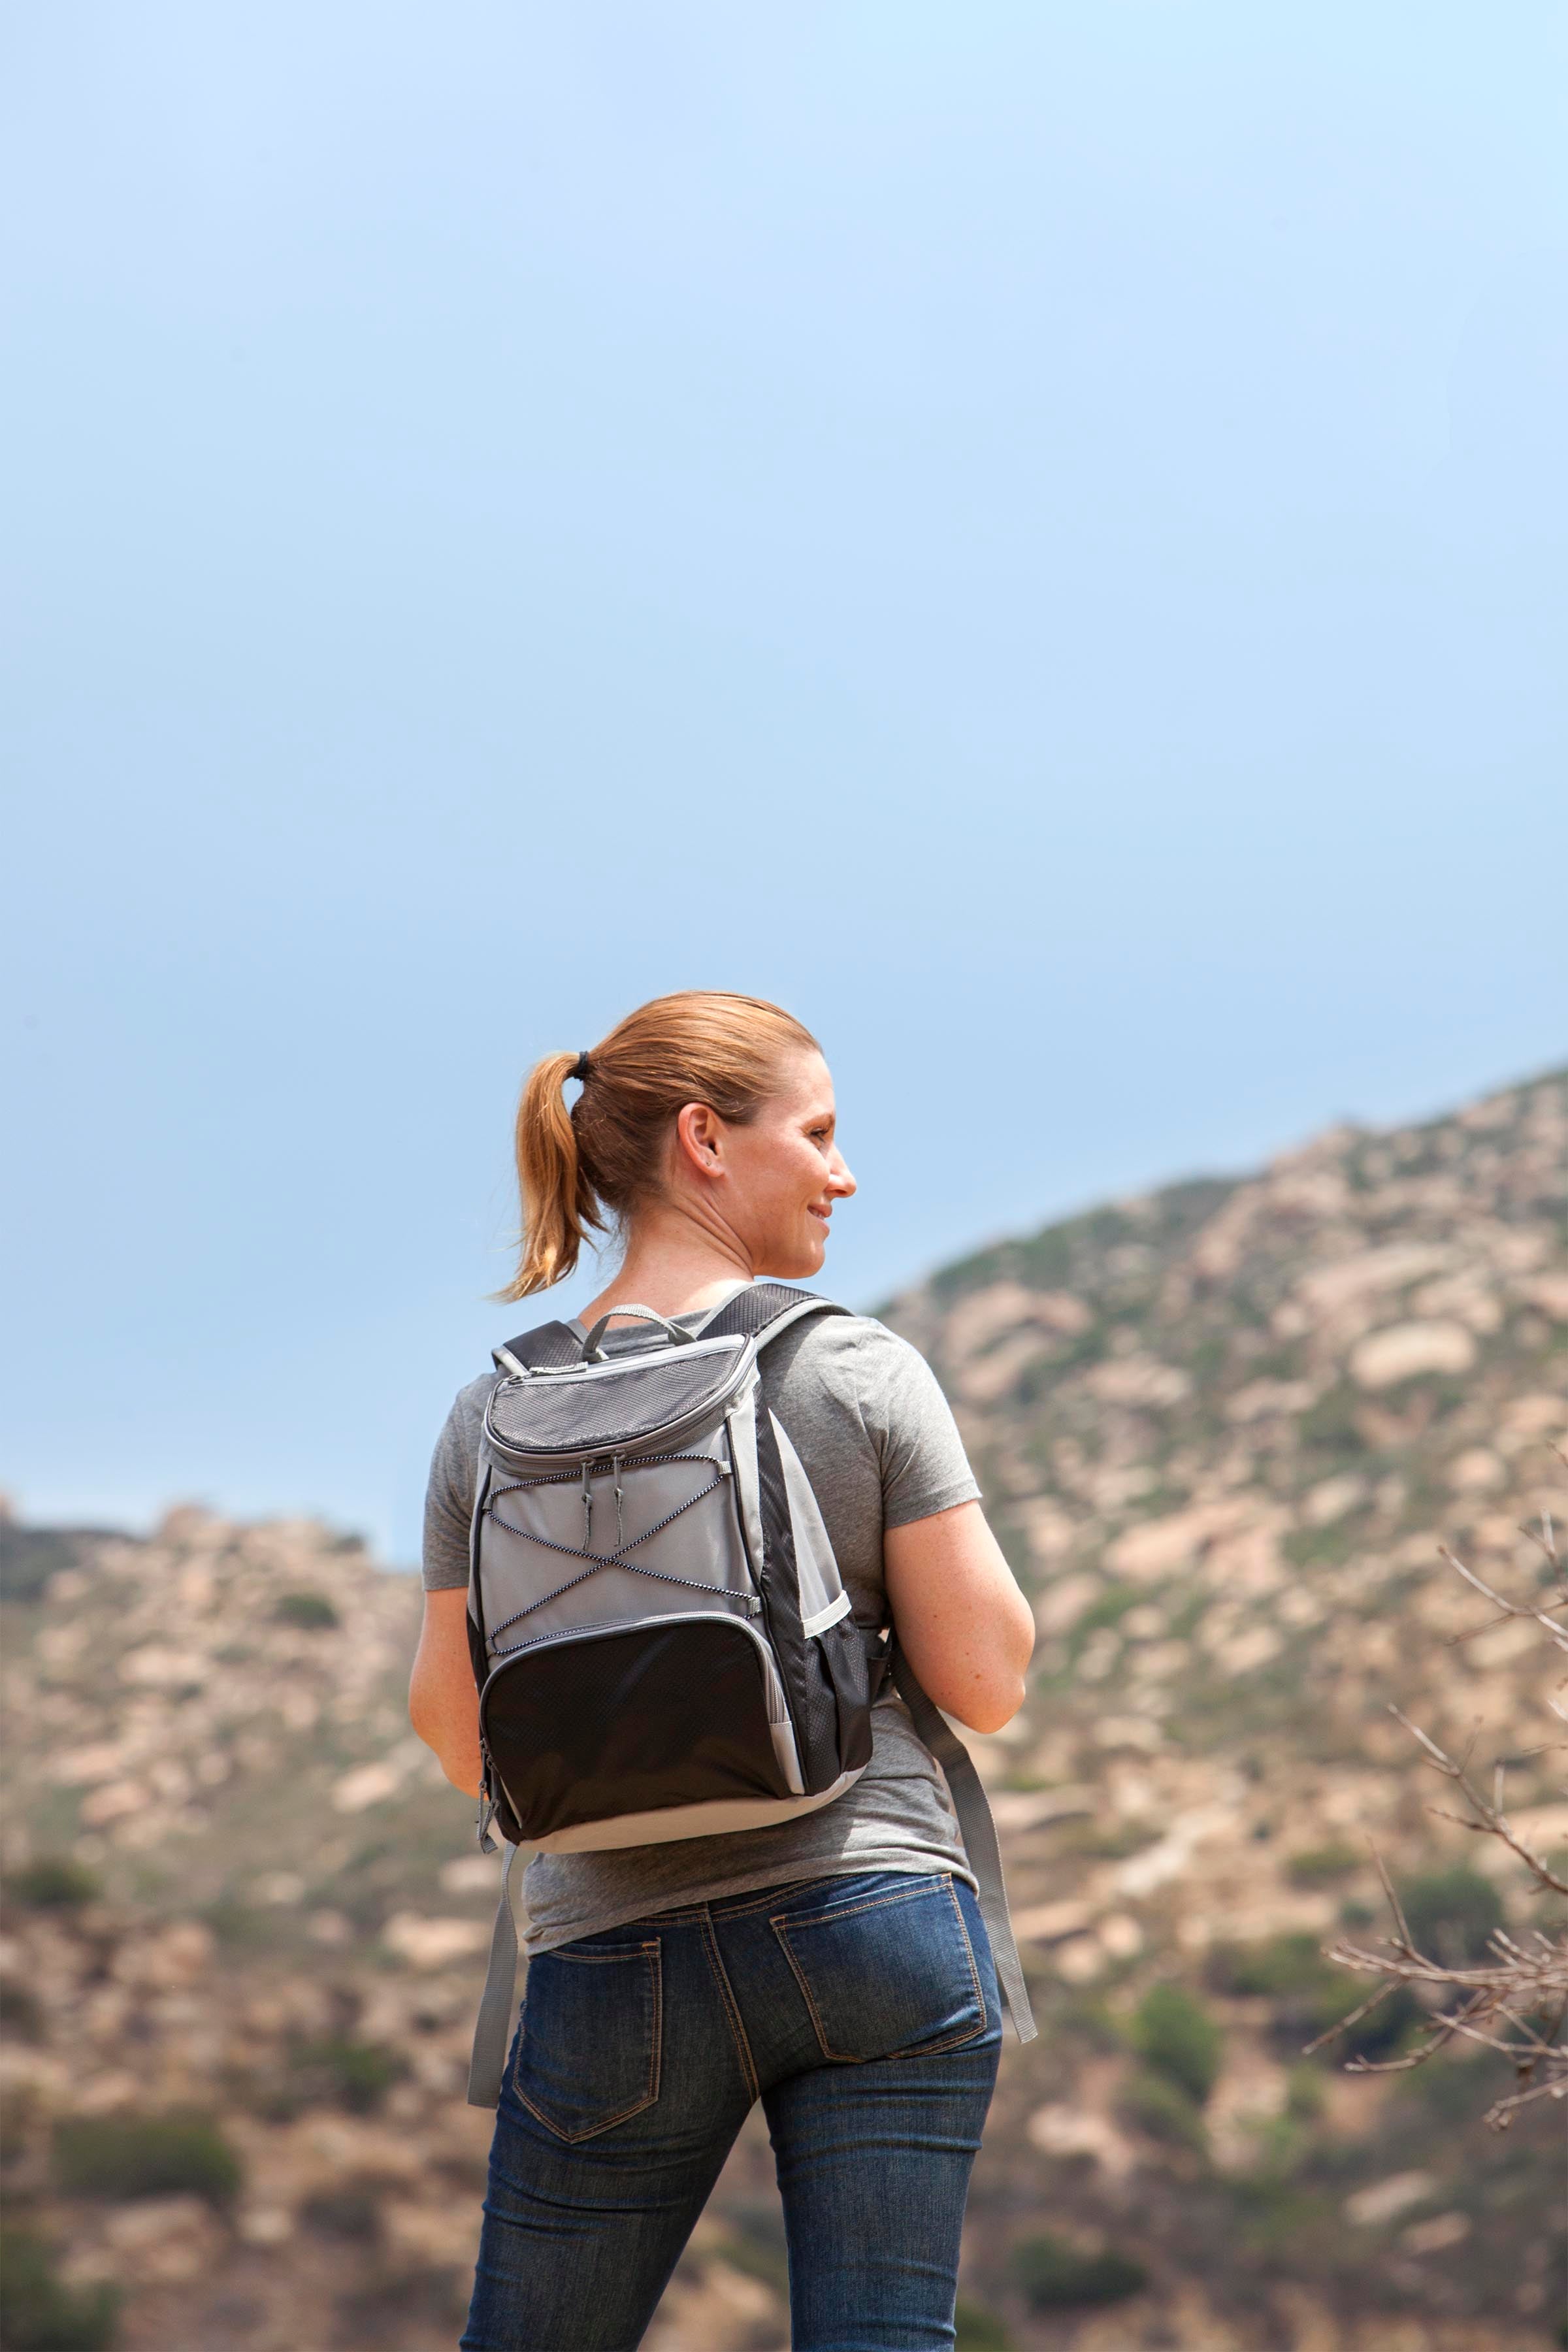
1221,1430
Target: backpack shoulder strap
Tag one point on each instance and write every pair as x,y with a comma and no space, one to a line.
548,1346
764,1309
972,1807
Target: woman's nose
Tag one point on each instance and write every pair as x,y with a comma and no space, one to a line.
841,1180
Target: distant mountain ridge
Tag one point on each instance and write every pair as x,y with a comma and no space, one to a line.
1221,1429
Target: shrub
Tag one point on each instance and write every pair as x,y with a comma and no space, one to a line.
1164,2110
20,2009
1054,2275
1304,2093
1333,1426
308,1613
39,2314
1451,1913
1178,2038
1309,1994
376,2313
145,2156
352,2074
1317,1864
52,1882
351,2212
977,2330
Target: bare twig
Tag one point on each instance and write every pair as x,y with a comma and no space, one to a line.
1504,2002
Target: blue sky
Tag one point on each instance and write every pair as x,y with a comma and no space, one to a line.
1034,534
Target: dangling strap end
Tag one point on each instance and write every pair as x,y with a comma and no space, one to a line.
498,2004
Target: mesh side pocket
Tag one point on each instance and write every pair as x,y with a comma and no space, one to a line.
661,1714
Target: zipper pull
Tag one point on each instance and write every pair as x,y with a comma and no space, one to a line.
588,1507
620,1522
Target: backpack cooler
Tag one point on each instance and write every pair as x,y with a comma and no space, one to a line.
662,1642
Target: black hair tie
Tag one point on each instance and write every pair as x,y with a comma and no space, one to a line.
580,1069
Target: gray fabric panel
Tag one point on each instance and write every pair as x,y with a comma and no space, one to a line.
743,1421
816,1570
701,1546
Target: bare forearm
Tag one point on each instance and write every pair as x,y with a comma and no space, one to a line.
962,1621
443,1705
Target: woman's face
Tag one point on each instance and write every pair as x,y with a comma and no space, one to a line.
773,1181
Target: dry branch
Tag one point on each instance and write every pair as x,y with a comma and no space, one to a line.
1515,2001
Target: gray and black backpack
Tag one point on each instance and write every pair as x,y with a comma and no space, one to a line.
662,1644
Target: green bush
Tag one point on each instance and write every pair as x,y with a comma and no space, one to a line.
376,2312
1317,1864
1162,2109
145,2156
1178,2038
1305,2094
1308,1993
1451,1914
1054,2275
351,2212
352,2074
308,1613
52,1882
39,2314
977,2330
1333,1426
19,2010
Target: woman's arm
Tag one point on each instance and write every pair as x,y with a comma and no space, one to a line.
443,1704
961,1620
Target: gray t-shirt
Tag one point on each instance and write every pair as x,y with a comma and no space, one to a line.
876,1435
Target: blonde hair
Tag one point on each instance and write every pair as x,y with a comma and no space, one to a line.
586,1168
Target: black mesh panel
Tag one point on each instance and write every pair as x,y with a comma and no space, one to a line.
629,1723
813,1702
844,1651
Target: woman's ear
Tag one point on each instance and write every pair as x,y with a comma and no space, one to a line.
699,1138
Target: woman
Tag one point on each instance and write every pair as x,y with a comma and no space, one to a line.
833,1965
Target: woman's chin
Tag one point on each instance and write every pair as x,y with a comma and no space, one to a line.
805,1258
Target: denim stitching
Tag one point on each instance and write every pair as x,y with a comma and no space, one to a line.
780,1926
973,1965
872,1902
759,1901
652,1955
731,2006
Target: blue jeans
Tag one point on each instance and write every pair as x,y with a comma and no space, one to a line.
862,2011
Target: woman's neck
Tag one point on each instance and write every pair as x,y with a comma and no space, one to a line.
674,1266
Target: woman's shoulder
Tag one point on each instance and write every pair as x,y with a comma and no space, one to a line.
459,1438
855,1356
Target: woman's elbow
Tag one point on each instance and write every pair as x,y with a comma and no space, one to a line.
992,1708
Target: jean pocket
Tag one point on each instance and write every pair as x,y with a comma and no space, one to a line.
890,1975
589,2049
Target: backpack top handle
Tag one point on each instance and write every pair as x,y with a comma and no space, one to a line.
594,1354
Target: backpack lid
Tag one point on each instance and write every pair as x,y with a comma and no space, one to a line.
628,1403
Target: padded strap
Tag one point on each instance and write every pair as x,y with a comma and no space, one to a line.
762,1310
548,1346
969,1801
497,2004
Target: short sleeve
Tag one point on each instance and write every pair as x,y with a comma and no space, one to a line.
450,1497
925,1466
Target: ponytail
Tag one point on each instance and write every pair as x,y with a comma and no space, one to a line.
558,1203
581,1170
